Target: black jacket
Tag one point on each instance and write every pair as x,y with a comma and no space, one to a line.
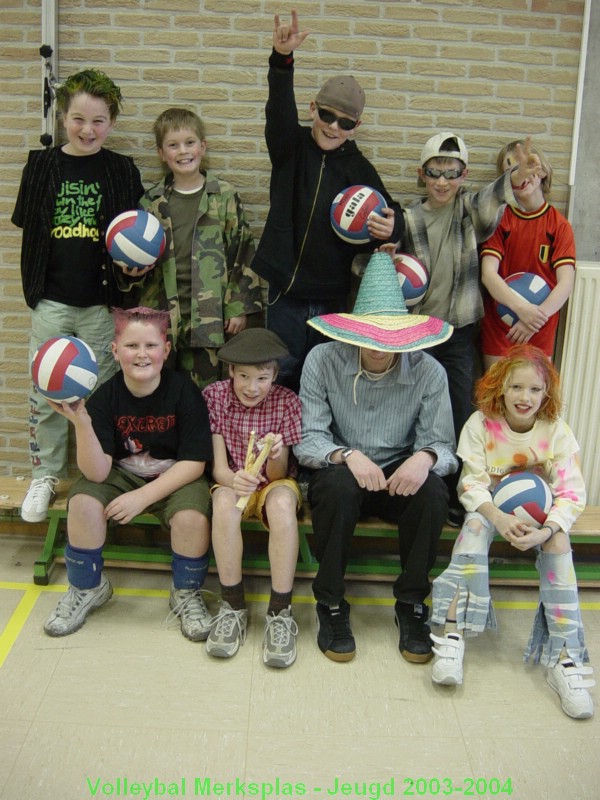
299,253
35,208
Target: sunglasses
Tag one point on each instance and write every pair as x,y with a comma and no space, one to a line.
328,117
449,174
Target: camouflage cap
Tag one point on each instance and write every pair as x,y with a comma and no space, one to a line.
253,346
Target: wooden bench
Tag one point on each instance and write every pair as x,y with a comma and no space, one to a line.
374,558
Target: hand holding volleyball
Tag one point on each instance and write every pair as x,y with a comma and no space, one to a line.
135,240
64,369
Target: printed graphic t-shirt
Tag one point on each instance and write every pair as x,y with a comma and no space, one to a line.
75,274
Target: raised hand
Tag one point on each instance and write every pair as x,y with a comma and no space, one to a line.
286,36
528,164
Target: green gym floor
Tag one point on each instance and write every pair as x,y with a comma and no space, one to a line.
126,707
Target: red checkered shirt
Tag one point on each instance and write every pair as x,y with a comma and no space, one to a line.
280,412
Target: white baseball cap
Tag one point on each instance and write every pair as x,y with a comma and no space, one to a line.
455,149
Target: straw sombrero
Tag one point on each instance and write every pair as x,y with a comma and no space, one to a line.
380,319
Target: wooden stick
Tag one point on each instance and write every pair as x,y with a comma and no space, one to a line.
256,465
250,450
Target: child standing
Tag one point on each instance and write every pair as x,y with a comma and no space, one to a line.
533,238
244,409
204,278
307,265
142,442
517,427
67,198
443,231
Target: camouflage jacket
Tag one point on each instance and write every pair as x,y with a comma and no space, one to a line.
223,285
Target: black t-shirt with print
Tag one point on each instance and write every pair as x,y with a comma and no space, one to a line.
146,435
75,272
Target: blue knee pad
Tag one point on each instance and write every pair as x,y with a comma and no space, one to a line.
84,567
189,573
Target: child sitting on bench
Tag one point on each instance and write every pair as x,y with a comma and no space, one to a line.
142,442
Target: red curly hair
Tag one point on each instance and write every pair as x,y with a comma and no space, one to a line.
490,389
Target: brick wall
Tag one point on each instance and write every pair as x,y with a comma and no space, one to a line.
490,70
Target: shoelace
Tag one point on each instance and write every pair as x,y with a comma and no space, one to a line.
226,620
41,486
339,624
71,601
281,628
192,606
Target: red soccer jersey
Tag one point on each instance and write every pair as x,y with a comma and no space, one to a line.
538,242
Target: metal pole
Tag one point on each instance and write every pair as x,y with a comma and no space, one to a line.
49,54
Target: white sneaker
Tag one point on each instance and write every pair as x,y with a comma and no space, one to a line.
36,502
448,664
72,609
572,687
189,605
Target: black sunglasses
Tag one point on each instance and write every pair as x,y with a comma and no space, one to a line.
449,174
328,117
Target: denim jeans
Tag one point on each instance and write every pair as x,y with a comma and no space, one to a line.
287,317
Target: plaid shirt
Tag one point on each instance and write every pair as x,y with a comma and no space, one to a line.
475,217
279,412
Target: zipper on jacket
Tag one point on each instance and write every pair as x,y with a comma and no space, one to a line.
312,211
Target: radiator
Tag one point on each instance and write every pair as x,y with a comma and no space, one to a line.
580,372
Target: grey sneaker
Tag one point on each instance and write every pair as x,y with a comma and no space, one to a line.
189,606
36,502
73,608
279,644
228,631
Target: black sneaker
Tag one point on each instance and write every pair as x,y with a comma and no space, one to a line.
335,637
415,644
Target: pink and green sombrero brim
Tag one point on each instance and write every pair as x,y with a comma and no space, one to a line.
380,319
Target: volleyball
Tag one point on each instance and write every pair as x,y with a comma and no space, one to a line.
135,238
64,369
525,495
532,287
413,277
350,211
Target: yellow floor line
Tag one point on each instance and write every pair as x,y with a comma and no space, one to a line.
18,619
31,593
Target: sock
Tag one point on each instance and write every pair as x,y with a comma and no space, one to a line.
189,573
234,595
279,601
450,626
84,567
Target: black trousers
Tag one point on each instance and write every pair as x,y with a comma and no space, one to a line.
337,502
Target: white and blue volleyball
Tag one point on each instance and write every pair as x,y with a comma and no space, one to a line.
64,369
135,238
350,212
525,495
532,287
413,277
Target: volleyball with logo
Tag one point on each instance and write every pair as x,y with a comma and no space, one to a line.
532,287
525,495
135,238
64,369
413,277
350,211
